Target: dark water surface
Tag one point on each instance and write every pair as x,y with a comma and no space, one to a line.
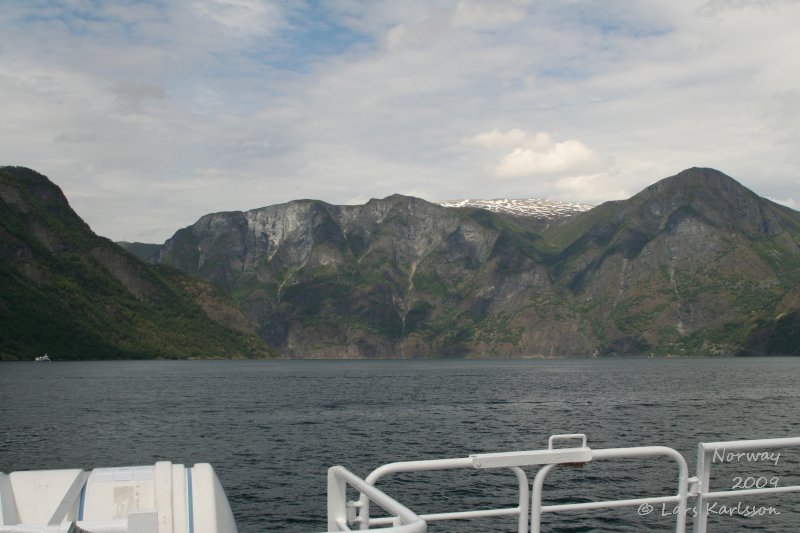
272,428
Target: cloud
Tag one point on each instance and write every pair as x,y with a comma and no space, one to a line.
717,7
565,157
131,96
489,14
77,137
241,17
591,188
122,103
396,37
539,154
495,139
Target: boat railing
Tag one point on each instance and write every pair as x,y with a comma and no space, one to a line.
615,453
340,512
709,453
343,514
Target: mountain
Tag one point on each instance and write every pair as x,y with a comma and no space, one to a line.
694,264
74,295
395,277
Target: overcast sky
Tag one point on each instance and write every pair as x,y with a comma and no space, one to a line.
151,114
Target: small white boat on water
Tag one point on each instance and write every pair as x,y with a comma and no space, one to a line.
169,498
42,358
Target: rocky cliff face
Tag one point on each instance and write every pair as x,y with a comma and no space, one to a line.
693,264
394,277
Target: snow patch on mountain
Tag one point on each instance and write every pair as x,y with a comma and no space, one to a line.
523,207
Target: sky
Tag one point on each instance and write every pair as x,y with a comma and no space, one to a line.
150,114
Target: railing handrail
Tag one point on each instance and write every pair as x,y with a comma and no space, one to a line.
547,459
615,453
447,464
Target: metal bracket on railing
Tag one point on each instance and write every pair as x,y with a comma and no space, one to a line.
567,436
534,457
695,486
352,510
551,455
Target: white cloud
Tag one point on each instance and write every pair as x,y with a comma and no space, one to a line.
496,139
539,154
241,17
396,37
489,14
565,157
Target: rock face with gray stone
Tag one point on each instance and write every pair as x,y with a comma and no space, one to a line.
694,264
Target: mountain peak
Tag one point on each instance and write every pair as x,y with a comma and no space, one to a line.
705,179
713,196
35,184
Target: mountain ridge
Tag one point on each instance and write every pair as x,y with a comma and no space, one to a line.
695,264
400,275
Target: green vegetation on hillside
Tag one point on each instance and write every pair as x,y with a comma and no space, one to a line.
66,292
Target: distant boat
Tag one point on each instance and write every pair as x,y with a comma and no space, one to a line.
41,358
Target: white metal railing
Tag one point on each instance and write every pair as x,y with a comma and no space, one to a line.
342,514
709,452
612,453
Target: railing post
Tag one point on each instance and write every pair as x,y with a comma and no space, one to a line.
703,482
536,498
363,513
337,500
523,499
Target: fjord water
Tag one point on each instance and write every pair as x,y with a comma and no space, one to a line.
272,428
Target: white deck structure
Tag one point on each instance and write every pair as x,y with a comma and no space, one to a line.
162,498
